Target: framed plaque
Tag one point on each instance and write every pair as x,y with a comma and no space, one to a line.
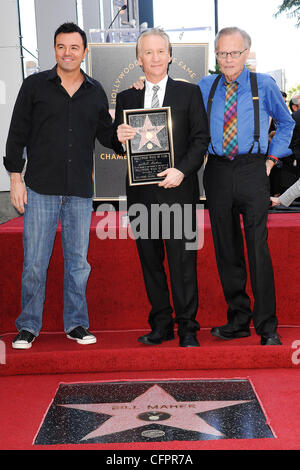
151,150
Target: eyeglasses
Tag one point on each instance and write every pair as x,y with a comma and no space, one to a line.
233,54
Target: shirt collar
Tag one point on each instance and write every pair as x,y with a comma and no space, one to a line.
242,78
52,75
162,84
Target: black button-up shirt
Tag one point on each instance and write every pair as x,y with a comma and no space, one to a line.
59,134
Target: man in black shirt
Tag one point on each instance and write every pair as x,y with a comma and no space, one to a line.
57,116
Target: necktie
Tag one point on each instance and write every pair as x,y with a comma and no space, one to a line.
155,101
230,143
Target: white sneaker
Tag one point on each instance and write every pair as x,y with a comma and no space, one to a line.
23,340
82,336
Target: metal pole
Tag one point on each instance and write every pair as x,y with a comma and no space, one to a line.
216,17
20,40
216,22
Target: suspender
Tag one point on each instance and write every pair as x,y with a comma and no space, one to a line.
255,99
209,104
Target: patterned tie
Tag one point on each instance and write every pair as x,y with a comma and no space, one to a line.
155,101
230,143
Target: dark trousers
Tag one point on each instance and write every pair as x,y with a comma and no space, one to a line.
183,277
234,188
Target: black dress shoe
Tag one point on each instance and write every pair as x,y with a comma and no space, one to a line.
188,341
157,337
228,332
271,339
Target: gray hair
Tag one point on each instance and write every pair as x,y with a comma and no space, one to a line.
152,31
233,30
295,99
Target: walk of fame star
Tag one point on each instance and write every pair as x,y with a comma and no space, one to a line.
148,133
154,406
160,411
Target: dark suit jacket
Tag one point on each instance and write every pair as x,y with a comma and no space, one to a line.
190,140
295,142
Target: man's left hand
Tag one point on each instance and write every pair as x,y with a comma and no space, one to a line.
173,178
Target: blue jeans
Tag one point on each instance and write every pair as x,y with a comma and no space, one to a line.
41,217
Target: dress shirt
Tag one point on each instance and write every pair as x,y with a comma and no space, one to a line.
160,93
59,134
271,104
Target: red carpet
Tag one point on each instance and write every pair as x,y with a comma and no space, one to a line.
118,312
118,307
120,351
25,400
116,294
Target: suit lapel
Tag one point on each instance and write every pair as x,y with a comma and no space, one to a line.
169,93
140,98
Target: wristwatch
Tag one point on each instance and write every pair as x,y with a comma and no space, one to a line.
273,159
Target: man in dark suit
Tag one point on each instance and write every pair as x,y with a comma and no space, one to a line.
295,142
179,186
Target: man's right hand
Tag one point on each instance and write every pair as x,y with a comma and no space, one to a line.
18,193
125,132
139,84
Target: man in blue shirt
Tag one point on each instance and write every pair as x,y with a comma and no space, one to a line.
238,184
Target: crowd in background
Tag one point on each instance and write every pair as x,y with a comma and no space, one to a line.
287,172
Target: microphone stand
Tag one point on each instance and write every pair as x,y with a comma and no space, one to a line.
122,8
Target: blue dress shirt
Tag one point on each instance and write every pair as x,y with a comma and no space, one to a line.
271,104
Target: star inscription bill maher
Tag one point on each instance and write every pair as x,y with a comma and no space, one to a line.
111,412
152,129
148,133
136,413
